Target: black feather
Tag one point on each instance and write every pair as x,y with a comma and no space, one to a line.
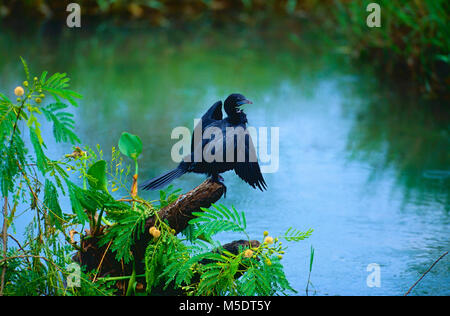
248,169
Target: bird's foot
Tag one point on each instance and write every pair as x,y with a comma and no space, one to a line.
220,180
224,191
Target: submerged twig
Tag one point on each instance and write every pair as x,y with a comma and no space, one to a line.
429,269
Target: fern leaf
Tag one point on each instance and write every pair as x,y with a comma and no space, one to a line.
218,219
41,159
296,235
52,204
25,67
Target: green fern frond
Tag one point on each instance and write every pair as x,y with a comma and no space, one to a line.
25,67
296,235
52,204
63,123
218,219
41,158
168,196
128,228
158,255
177,270
57,86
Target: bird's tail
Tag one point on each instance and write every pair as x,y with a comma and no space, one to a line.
162,180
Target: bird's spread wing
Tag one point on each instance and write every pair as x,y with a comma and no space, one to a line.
237,145
249,170
250,173
213,114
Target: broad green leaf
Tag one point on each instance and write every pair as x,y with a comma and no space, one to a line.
97,176
130,145
76,196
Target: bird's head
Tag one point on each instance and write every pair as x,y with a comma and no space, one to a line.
233,102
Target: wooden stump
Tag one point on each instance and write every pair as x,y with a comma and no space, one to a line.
179,213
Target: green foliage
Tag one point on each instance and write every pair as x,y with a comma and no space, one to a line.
199,270
218,219
168,196
413,35
130,145
158,255
41,159
97,176
38,266
63,123
76,196
129,225
311,260
52,204
28,107
296,235
264,279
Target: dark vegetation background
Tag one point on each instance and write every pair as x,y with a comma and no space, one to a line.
413,42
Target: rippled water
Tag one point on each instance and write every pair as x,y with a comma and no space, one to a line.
366,167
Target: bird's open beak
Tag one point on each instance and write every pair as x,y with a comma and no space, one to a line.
244,102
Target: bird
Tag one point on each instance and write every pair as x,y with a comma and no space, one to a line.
231,148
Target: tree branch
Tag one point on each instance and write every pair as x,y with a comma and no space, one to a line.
179,213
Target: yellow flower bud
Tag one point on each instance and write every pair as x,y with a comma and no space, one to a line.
156,233
151,230
248,253
280,257
268,262
19,91
268,240
266,233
